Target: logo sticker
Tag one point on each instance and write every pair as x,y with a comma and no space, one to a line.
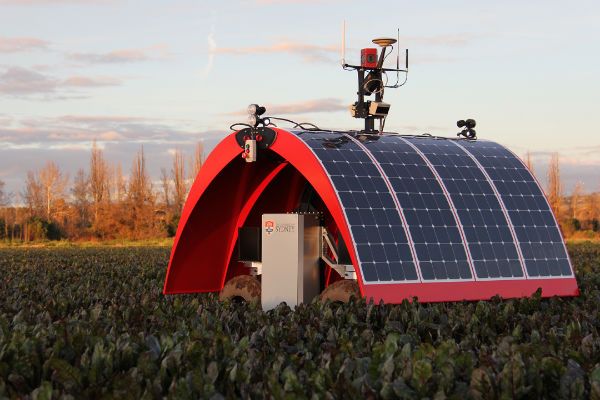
269,227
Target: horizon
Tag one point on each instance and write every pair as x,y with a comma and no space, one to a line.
168,75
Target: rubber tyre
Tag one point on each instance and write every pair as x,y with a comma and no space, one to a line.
341,291
245,287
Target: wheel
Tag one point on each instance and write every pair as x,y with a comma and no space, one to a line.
341,291
241,287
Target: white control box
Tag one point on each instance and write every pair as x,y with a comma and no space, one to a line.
291,246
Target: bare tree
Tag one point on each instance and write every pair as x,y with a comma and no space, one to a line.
110,174
554,186
141,199
528,162
98,180
179,183
592,208
4,212
4,197
81,201
53,184
33,194
120,185
575,199
140,186
165,182
197,160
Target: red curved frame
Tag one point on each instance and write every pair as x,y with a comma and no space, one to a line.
227,189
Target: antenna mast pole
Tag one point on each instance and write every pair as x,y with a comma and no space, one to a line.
344,44
370,81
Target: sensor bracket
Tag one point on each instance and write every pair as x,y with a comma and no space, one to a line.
264,137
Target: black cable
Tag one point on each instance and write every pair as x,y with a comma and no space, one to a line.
313,127
396,85
284,119
298,124
405,79
388,54
241,124
308,126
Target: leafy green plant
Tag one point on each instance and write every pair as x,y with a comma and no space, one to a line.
92,323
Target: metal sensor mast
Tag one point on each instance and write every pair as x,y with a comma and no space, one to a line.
371,75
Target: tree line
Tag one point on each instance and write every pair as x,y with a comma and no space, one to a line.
577,214
100,202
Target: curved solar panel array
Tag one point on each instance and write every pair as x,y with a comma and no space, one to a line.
439,210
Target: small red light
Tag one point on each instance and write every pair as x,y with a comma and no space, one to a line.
368,58
246,137
244,155
247,150
259,138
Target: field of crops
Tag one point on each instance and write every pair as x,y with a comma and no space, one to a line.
92,323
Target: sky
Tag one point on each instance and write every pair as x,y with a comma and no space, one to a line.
168,74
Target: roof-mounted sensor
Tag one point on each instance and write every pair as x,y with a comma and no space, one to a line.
373,80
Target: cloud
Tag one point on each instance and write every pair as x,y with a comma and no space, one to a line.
86,81
309,106
328,53
414,129
22,81
100,119
212,49
581,156
18,44
310,52
570,173
576,164
122,56
455,39
5,120
53,2
302,107
19,82
44,132
267,2
117,56
28,143
110,136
